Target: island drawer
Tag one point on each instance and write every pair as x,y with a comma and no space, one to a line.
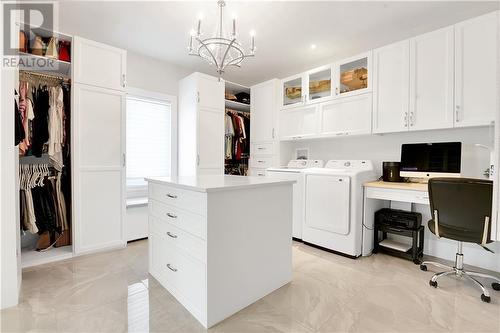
195,246
186,276
192,201
180,218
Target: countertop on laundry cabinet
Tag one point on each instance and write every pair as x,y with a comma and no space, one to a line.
211,183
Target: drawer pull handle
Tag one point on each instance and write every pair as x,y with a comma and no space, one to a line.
173,196
260,161
172,216
171,235
261,148
173,269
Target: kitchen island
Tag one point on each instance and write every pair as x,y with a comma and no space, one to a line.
220,243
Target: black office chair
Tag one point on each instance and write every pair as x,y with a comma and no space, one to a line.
461,210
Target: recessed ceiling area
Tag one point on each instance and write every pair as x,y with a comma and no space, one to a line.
285,30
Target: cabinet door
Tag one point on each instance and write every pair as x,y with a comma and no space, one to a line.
319,84
292,91
298,123
476,62
210,141
391,84
353,75
346,116
99,64
262,110
431,80
210,92
99,178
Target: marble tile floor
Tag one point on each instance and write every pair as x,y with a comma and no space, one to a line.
112,292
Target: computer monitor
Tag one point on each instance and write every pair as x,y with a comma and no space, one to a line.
428,160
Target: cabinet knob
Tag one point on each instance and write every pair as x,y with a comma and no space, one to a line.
172,268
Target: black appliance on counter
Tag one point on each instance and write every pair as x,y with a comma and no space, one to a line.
390,172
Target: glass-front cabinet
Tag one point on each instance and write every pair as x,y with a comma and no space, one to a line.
292,91
307,88
354,75
319,84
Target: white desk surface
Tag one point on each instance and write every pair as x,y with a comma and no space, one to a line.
398,186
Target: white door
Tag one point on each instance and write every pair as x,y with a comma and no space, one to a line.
346,116
99,64
210,92
431,80
210,147
298,123
476,62
391,87
99,177
262,110
327,203
298,198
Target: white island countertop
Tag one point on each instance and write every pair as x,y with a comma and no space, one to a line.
212,183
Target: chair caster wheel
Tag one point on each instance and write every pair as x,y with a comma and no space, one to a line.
416,262
423,268
495,286
433,283
485,299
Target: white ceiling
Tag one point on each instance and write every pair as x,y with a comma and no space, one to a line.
284,29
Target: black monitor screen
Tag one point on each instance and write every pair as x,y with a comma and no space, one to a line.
441,157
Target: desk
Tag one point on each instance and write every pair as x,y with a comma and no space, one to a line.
381,194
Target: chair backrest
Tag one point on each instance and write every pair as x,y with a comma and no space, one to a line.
463,204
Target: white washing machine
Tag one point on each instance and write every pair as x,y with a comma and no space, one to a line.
333,217
293,171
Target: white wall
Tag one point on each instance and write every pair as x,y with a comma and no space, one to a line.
151,74
387,147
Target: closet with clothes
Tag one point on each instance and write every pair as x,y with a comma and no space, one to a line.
43,132
236,129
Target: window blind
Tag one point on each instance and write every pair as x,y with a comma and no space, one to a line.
148,140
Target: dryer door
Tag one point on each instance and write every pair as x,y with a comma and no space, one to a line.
328,203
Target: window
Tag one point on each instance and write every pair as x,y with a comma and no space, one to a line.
149,141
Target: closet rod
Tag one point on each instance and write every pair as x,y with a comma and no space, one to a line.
43,75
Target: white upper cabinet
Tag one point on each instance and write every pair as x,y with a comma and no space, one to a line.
99,64
353,75
431,80
298,123
391,85
318,83
263,111
293,91
476,60
346,116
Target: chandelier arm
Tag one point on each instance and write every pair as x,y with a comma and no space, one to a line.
227,51
206,47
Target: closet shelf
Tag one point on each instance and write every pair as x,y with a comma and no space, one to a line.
30,62
238,106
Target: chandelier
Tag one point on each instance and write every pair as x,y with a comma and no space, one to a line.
221,50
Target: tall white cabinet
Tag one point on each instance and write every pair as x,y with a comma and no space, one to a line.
201,125
264,145
99,145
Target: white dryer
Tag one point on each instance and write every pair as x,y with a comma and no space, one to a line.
333,217
293,171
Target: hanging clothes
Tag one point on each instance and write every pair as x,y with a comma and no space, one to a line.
56,126
40,122
229,134
19,133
